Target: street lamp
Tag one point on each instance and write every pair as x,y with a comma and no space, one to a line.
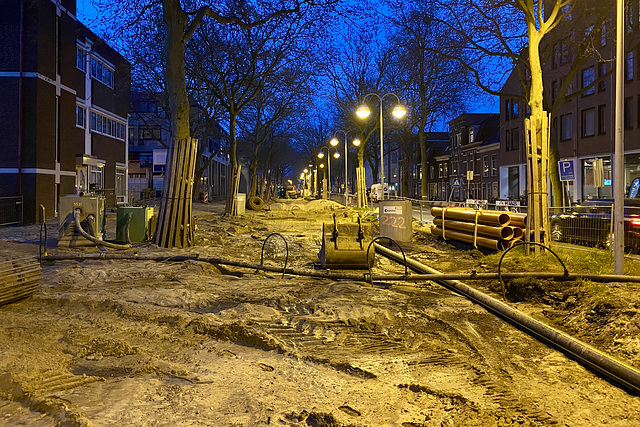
398,112
335,155
334,142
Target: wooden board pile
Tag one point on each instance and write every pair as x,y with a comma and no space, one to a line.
497,230
19,278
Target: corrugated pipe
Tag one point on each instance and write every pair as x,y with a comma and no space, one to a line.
600,362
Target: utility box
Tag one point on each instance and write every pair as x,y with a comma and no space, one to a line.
396,220
92,219
241,201
139,223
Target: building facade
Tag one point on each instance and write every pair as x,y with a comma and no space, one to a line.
583,119
63,104
474,141
149,143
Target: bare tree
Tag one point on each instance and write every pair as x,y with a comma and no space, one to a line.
436,85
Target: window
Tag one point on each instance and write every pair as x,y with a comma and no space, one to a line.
107,126
485,166
628,67
146,160
628,113
507,109
471,135
507,139
514,109
149,132
566,127
95,178
101,72
440,171
81,59
446,169
588,77
148,107
603,34
554,91
602,119
602,70
494,166
80,116
515,139
121,185
588,122
432,173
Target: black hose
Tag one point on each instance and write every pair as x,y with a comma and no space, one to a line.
518,244
95,240
286,246
600,362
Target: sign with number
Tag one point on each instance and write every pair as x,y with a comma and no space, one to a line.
567,171
456,182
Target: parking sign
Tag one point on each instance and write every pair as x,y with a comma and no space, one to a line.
567,172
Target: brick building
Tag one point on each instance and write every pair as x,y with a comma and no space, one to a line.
64,100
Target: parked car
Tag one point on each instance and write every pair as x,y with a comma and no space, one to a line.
590,224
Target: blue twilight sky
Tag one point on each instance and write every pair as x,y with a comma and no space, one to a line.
485,103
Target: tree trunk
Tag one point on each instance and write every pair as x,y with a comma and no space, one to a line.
174,226
537,148
231,208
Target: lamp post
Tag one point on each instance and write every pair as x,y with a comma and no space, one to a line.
321,155
398,112
334,142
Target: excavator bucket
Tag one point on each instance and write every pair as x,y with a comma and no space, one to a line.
344,246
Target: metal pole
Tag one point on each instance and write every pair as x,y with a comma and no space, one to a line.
381,149
329,172
618,161
346,170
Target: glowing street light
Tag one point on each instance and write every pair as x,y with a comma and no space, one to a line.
398,112
321,156
334,142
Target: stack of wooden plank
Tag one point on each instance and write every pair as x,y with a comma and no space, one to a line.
19,278
497,230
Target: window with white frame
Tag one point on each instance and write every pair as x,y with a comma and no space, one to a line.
95,178
107,126
494,165
81,114
485,166
101,72
471,135
121,185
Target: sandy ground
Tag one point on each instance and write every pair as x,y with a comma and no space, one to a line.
142,343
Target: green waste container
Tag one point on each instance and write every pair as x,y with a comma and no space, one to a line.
139,224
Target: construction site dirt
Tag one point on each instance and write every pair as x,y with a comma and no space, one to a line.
132,342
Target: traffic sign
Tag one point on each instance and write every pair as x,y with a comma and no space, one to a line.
567,171
456,182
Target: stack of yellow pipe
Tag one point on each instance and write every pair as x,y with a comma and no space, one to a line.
495,230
